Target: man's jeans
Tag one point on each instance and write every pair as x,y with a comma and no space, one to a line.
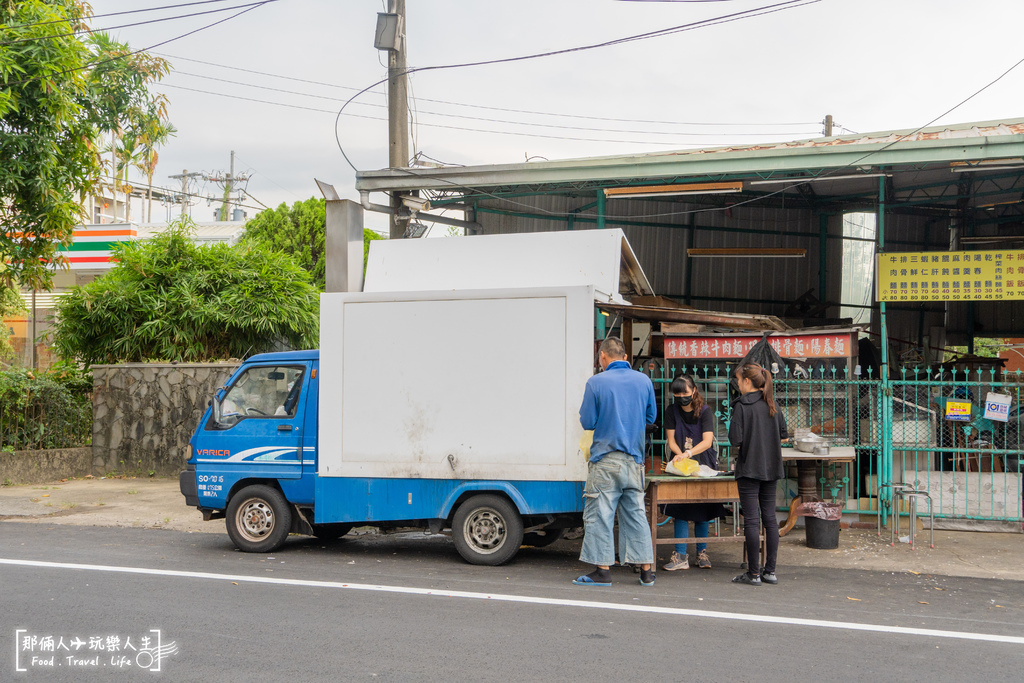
615,481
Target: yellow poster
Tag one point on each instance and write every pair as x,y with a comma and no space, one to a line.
950,276
959,411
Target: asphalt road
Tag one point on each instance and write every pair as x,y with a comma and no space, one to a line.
315,611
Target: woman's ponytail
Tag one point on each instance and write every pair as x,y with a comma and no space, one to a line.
768,391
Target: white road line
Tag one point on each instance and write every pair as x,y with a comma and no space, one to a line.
533,600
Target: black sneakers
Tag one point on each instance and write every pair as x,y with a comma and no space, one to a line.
748,578
769,577
647,576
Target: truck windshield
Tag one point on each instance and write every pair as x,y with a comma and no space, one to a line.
266,391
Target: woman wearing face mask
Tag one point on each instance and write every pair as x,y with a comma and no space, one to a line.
756,433
690,432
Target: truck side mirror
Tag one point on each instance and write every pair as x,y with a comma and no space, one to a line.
216,409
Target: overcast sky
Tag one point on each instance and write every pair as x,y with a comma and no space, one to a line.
873,64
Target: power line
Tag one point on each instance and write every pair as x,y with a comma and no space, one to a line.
180,193
431,125
746,14
91,65
703,23
113,14
492,120
480,106
137,23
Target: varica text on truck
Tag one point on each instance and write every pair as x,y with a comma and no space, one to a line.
445,396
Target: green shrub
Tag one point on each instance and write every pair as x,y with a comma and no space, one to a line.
170,299
38,412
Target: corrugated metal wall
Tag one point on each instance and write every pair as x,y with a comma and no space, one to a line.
725,284
751,285
754,281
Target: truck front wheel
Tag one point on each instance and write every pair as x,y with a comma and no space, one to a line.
258,519
487,530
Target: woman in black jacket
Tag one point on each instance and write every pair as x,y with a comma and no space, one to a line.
756,433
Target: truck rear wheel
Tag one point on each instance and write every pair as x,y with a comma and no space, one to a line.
258,519
487,530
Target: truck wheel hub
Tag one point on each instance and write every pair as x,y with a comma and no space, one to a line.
486,529
257,518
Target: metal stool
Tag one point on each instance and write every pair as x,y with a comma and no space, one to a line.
912,493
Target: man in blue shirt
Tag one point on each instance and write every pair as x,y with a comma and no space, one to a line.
618,404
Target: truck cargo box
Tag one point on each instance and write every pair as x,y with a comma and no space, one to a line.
481,384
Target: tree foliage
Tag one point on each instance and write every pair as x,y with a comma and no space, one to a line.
58,93
984,347
53,410
299,230
170,299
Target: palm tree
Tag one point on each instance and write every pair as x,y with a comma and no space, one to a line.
131,110
154,132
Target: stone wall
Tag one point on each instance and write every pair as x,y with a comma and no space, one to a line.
145,413
41,467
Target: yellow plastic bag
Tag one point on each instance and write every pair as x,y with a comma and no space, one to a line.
586,441
684,468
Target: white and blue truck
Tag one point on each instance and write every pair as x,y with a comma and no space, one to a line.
445,395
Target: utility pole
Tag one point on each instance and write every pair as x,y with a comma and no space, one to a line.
228,187
398,111
828,125
184,176
228,181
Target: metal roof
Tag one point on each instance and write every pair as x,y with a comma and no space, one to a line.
951,143
931,204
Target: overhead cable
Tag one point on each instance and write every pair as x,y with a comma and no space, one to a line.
431,125
91,65
113,14
481,106
137,23
490,120
746,14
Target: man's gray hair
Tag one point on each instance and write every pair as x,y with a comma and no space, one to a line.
613,348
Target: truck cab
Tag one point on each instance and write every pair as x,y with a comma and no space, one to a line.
259,431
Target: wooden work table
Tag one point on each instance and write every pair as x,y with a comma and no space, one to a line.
668,488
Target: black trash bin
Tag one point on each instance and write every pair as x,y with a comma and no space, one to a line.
823,531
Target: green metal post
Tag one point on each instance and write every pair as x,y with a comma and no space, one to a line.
885,459
691,229
600,324
600,209
822,256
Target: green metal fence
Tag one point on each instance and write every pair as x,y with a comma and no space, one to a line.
971,465
971,468
824,399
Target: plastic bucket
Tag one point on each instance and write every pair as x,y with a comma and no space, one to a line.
822,534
